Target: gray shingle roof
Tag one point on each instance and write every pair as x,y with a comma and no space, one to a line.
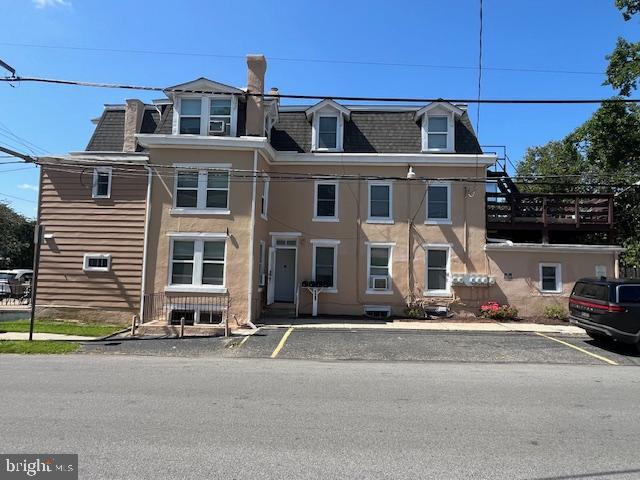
370,132
367,131
109,133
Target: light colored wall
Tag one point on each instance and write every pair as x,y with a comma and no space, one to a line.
291,209
162,221
81,224
523,291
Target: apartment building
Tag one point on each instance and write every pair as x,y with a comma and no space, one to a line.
218,202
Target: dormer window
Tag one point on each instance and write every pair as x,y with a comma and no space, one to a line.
190,114
438,126
327,132
220,116
327,125
437,131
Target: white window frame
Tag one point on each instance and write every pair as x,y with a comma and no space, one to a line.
377,183
264,205
203,170
205,113
94,188
261,264
336,216
315,130
198,252
445,247
437,221
325,243
450,132
100,256
390,246
558,268
197,310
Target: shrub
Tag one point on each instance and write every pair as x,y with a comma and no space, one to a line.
415,310
495,311
555,312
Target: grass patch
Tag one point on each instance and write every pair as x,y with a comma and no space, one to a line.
65,328
26,347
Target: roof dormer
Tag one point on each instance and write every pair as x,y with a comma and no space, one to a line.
327,125
204,107
438,126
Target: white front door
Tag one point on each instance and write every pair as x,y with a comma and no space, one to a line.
271,284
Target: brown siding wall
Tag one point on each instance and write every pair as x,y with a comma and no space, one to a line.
81,224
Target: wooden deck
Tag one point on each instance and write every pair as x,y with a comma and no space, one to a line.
550,212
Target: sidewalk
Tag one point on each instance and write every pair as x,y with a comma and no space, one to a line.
444,326
43,336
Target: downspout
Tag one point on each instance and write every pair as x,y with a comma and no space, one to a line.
466,232
251,236
409,245
147,220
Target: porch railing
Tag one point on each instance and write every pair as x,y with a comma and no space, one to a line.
195,309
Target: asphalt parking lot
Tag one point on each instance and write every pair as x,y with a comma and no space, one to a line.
385,345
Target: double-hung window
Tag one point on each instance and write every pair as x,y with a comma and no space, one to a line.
437,132
550,278
380,202
198,263
220,116
326,202
202,191
190,115
437,270
379,268
438,203
325,263
327,132
101,182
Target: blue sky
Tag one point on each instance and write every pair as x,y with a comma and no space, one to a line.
570,35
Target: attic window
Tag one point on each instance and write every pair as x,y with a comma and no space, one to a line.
190,111
327,132
220,116
437,132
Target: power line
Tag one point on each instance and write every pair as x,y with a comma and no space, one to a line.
300,60
17,198
317,97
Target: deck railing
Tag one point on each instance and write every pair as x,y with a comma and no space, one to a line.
195,309
566,209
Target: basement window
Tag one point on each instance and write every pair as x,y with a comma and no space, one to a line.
377,312
195,317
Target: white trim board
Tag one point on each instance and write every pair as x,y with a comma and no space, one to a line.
559,248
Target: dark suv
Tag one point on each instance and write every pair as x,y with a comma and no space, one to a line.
607,308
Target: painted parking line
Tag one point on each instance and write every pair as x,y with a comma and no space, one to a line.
283,340
575,347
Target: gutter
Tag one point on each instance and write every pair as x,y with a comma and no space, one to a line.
147,220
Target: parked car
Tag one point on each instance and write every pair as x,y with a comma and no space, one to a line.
607,308
14,282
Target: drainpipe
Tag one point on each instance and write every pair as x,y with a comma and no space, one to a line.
466,232
409,245
147,219
251,237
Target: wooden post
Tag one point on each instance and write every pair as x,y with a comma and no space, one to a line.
544,212
577,210
134,324
182,326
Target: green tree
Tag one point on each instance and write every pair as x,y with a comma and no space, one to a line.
624,62
16,239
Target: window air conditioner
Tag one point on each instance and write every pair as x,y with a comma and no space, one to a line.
217,126
380,282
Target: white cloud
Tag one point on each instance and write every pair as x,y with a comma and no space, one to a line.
51,3
28,186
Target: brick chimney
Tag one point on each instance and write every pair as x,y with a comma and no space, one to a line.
133,112
256,68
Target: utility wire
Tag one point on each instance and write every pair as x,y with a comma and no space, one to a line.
300,60
530,101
